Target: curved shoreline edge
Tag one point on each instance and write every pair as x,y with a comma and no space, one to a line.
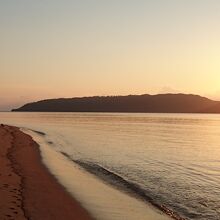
28,190
152,211
130,188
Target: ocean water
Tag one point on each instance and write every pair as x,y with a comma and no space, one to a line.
169,160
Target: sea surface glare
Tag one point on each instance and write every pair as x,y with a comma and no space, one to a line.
170,160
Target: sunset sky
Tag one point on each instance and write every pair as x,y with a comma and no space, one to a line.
68,48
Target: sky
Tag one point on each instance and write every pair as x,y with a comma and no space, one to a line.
71,48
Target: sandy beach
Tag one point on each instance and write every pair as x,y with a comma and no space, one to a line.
27,189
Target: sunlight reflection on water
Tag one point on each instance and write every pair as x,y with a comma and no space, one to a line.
175,158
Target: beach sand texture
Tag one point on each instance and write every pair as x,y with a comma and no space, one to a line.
27,189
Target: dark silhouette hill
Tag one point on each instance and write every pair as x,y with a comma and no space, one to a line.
162,103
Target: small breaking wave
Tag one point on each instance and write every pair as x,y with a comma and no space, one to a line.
39,132
122,184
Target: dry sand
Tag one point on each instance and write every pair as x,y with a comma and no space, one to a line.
27,189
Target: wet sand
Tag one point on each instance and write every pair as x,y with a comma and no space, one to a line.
27,189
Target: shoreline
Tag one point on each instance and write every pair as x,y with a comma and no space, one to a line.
37,190
94,191
28,190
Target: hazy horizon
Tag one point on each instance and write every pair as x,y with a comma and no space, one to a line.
54,48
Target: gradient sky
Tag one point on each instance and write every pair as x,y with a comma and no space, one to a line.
67,48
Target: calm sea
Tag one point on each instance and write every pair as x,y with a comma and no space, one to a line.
170,160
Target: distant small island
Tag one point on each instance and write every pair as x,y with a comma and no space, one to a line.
161,103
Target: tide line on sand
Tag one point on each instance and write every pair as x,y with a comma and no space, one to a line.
103,201
27,189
